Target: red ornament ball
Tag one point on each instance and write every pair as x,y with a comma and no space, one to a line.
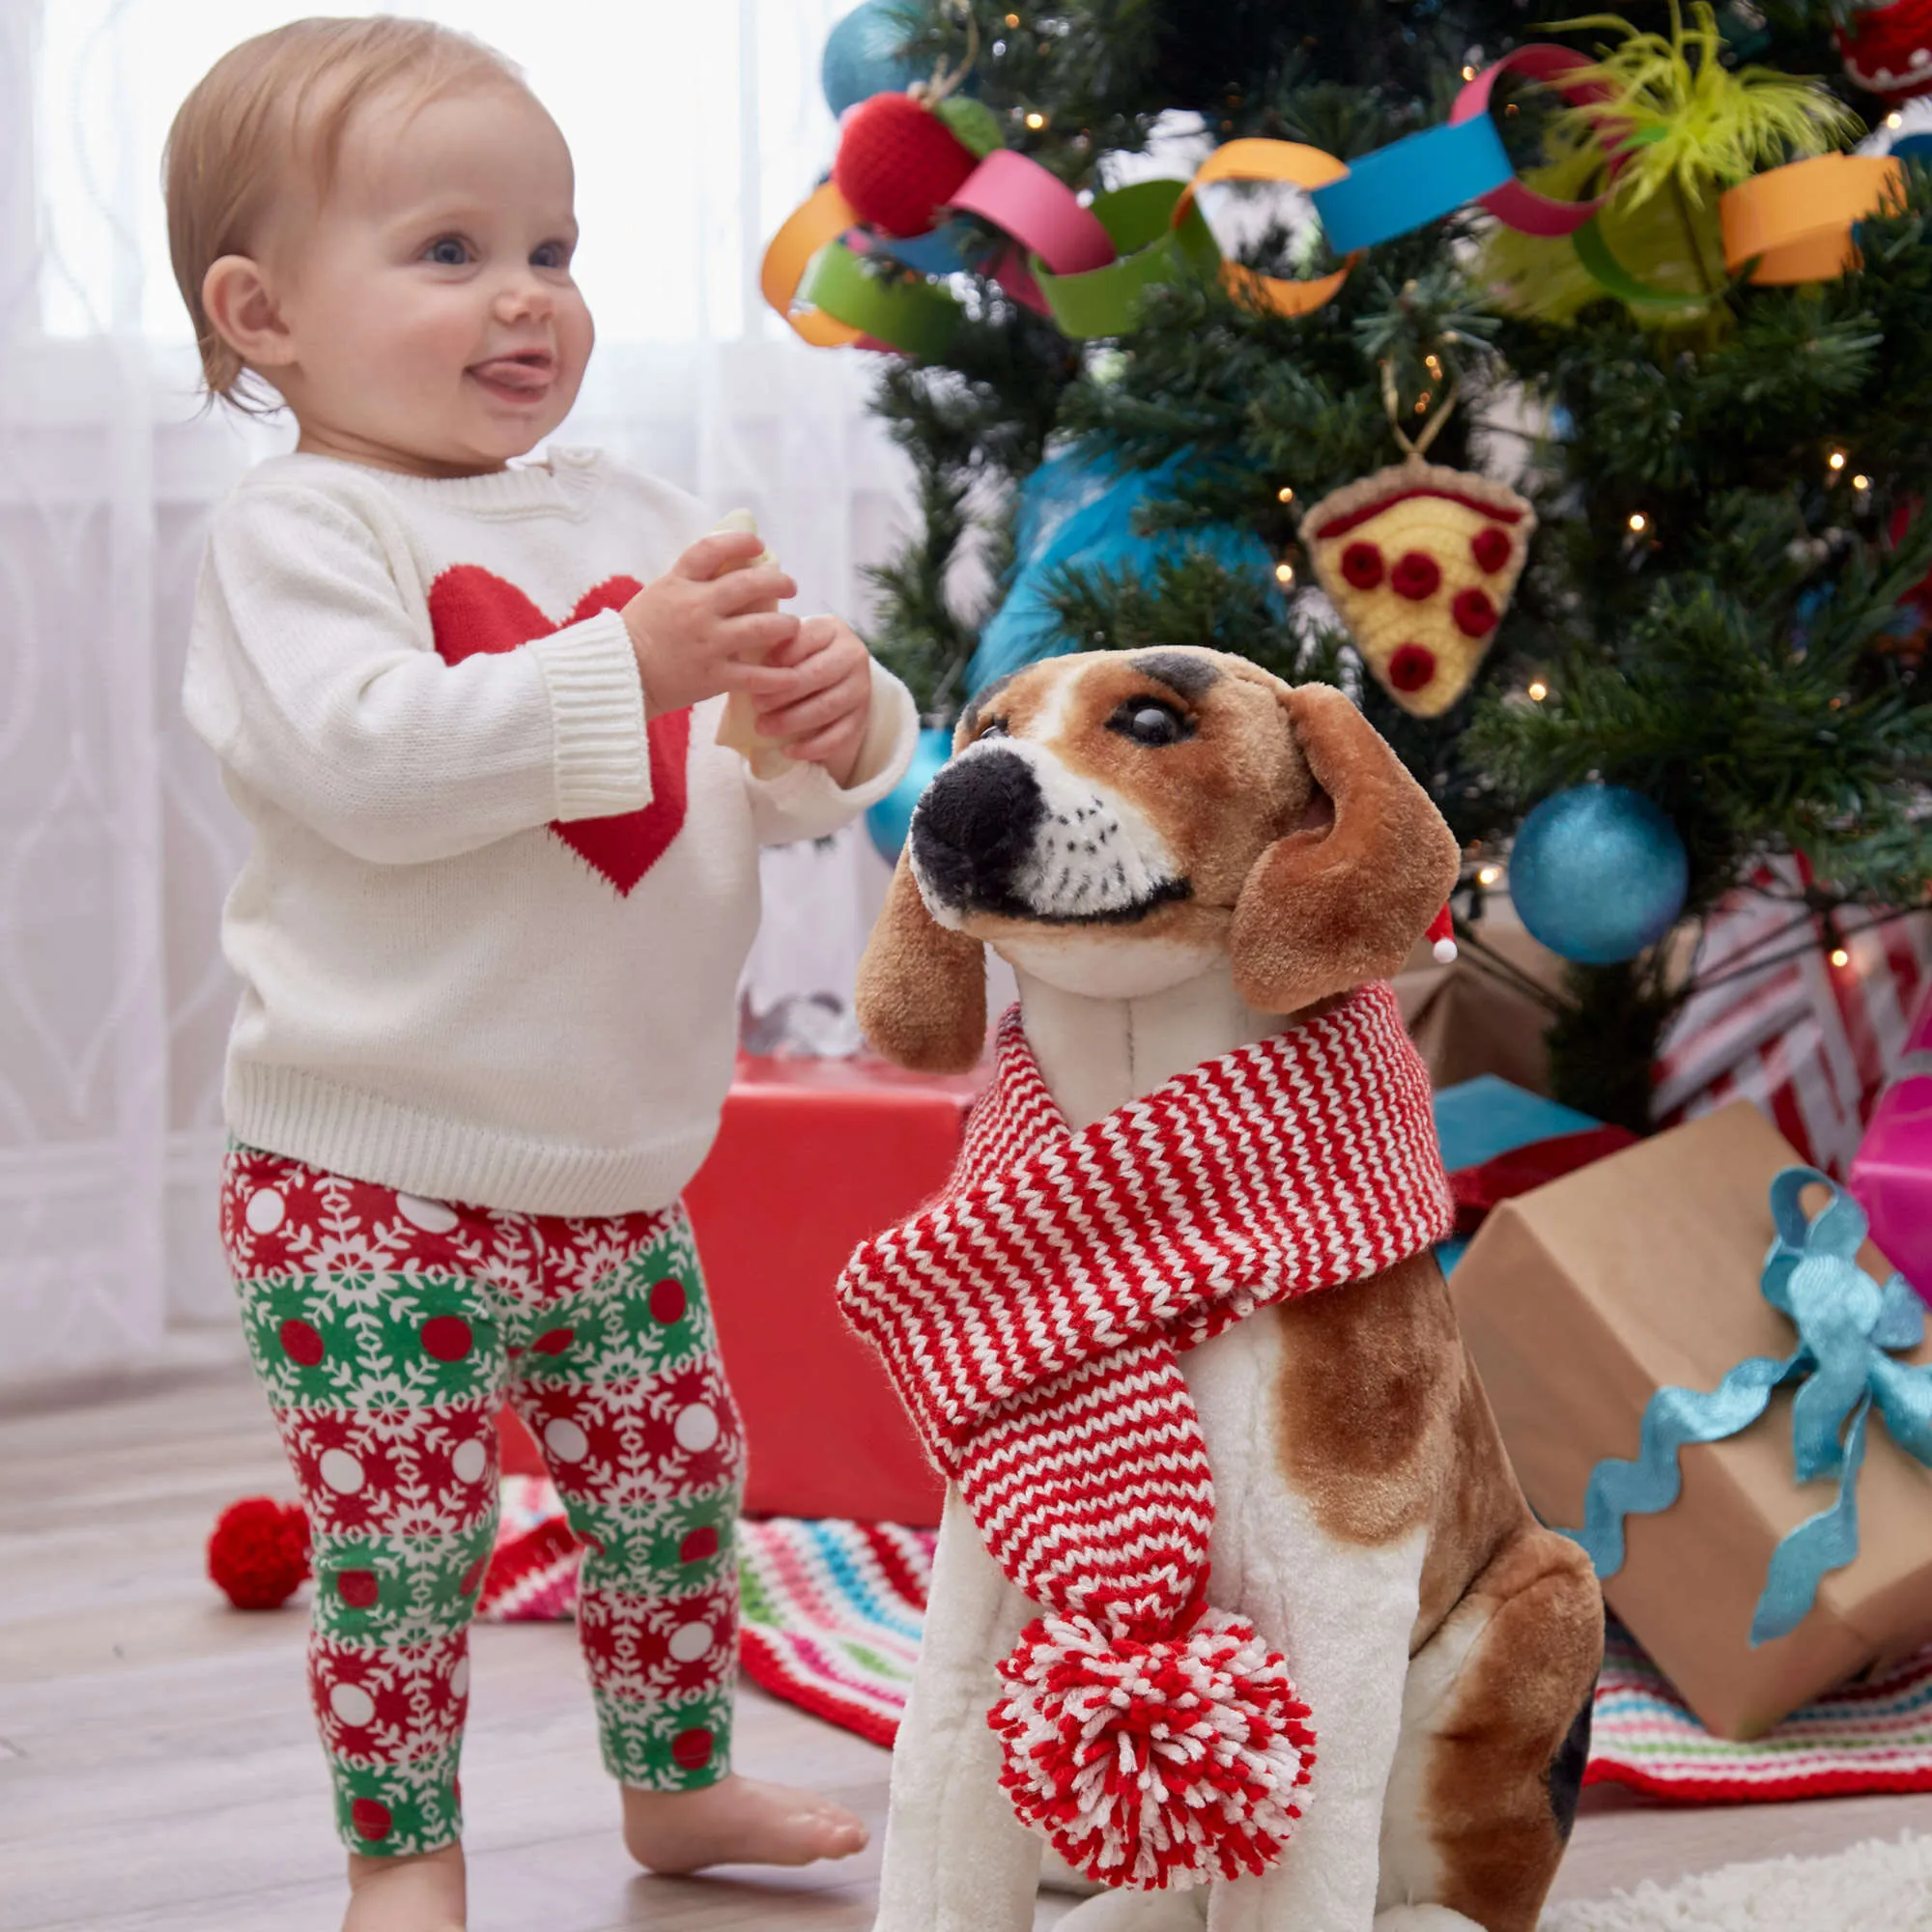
1888,49
258,1554
899,164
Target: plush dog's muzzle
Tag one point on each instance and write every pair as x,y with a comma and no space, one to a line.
1006,829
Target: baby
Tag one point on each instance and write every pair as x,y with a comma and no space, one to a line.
501,884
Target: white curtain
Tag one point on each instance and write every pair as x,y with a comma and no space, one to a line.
695,127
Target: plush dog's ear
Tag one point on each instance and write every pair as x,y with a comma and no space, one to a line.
1342,899
921,989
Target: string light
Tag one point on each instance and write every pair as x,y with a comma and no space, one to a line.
1422,403
1836,458
1861,482
1840,957
1036,120
1285,494
1434,364
1894,119
1285,573
1468,74
1488,875
1539,691
1639,522
1012,19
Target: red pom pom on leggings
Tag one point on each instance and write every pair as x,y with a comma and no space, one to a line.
1153,1765
899,164
258,1555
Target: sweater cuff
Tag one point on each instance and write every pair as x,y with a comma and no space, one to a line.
892,736
803,803
602,748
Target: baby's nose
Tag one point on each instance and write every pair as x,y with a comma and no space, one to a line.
524,295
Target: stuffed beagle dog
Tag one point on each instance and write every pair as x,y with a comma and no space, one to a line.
1237,1608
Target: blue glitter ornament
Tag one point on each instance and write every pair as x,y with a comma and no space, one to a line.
1597,873
889,821
861,56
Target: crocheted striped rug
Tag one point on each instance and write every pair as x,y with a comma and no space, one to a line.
832,1614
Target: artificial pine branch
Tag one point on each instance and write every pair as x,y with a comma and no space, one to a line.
1714,608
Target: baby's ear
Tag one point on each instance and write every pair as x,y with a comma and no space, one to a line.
921,989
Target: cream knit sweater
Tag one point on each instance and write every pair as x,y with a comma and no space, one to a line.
490,927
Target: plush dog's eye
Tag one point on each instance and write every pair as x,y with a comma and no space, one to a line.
993,728
1149,722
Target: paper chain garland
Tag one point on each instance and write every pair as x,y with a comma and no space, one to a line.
1849,1328
1089,268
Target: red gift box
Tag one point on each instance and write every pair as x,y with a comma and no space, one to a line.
814,1158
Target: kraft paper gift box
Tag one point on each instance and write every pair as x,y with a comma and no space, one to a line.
1580,1299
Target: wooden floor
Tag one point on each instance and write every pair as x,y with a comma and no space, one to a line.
159,1772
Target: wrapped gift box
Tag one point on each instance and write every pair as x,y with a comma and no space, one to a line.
814,1158
1477,1120
1580,1299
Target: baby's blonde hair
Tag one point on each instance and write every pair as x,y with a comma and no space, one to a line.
277,106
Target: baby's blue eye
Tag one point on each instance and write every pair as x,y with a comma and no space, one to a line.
449,251
550,255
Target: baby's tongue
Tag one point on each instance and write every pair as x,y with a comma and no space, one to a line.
512,374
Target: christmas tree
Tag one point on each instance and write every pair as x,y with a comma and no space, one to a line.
1720,610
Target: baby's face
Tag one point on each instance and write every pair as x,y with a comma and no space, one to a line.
429,301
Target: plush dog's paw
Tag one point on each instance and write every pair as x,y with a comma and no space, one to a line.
1423,1919
1139,1911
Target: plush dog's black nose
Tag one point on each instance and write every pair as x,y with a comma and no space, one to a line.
975,827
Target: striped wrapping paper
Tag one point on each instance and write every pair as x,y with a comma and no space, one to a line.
1809,1042
832,1614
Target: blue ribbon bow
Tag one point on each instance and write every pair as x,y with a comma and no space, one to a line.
1846,1324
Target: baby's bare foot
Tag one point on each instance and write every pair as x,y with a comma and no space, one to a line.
413,1894
736,1822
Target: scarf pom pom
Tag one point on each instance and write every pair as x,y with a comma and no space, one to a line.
1171,1763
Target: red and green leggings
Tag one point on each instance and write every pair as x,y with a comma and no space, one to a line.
387,1331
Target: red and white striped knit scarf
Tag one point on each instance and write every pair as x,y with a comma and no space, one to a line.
1031,1319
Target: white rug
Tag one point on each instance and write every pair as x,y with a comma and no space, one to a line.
1872,1887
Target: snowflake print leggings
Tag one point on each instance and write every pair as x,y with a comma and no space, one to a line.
387,1329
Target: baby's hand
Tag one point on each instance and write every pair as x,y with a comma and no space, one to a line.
822,719
692,630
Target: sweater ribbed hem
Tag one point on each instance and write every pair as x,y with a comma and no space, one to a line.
597,713
367,1137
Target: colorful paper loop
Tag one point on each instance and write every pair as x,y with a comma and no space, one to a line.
1153,247
1514,203
1254,161
1593,251
1848,1328
821,217
1038,210
1796,221
916,318
1411,181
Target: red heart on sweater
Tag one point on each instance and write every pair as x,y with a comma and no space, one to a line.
473,610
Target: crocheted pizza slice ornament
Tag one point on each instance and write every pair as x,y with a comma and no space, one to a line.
1420,562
